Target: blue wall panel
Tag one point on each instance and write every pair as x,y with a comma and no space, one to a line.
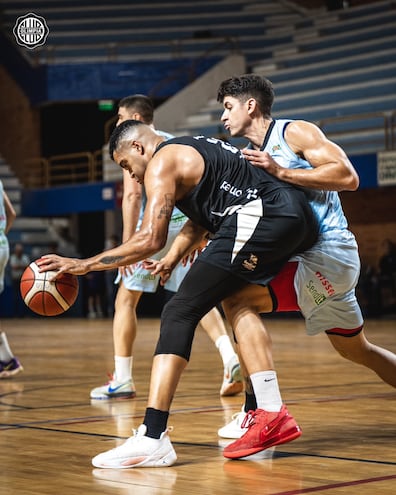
366,166
58,201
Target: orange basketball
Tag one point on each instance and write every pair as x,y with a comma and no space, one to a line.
44,297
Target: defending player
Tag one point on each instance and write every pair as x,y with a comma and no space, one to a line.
322,282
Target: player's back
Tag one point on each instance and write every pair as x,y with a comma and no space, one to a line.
228,182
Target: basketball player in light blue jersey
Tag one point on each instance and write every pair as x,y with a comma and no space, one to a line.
136,280
9,364
321,281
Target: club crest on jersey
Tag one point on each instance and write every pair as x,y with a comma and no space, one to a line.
251,263
276,147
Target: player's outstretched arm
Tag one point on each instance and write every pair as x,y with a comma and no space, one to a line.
160,185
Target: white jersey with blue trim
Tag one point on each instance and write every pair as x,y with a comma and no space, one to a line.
325,204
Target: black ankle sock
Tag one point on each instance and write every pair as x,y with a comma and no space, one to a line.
155,421
250,402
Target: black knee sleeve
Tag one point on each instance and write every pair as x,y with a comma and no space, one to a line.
204,287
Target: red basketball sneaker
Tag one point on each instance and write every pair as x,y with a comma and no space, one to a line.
265,429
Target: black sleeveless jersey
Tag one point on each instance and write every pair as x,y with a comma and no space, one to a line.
258,222
228,182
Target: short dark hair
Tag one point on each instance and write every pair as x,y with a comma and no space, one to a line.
249,86
141,104
119,134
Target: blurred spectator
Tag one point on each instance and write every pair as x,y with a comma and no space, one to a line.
19,260
369,293
64,241
387,273
95,289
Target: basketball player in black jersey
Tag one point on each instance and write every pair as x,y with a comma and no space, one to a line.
257,223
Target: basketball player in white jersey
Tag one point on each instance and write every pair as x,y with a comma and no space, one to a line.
9,364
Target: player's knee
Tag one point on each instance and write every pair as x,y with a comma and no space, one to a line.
234,306
126,297
178,324
351,349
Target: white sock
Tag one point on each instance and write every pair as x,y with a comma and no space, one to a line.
5,351
123,368
225,348
266,390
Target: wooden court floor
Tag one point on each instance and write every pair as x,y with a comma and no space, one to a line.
50,430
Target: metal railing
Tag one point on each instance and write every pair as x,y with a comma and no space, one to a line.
59,170
374,123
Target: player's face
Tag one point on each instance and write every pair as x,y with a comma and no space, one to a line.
235,116
123,114
127,114
130,158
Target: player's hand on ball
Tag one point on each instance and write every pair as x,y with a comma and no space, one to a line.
60,265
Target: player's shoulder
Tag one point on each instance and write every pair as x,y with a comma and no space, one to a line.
164,134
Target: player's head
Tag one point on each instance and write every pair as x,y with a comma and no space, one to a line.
132,144
136,107
249,86
246,99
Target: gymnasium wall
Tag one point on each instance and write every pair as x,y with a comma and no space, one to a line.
20,137
372,218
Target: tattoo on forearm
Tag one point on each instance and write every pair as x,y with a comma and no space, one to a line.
108,260
167,209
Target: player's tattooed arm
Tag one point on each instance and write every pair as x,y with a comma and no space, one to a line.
167,208
109,260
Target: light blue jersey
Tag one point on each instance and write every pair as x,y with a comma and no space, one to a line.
325,204
327,273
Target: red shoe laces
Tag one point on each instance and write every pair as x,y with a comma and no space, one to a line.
248,420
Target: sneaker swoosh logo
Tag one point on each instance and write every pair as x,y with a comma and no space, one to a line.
114,389
269,379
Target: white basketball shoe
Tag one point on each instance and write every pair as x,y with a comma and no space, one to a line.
139,451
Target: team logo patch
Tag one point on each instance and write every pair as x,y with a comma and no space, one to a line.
277,147
251,263
30,31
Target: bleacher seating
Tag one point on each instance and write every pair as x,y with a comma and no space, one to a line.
340,65
325,65
126,31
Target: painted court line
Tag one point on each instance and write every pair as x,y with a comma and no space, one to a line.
338,485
